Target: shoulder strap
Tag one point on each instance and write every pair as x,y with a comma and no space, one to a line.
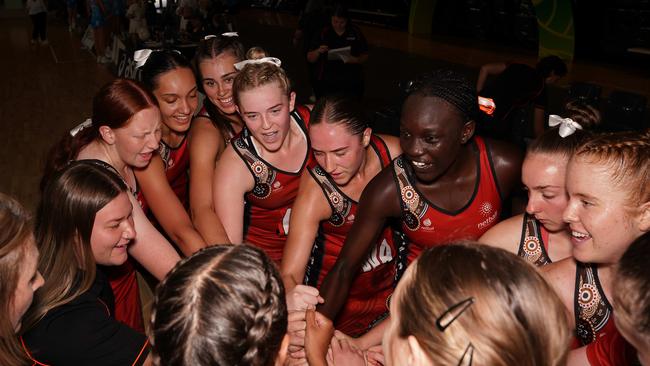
380,147
531,246
262,173
412,205
339,204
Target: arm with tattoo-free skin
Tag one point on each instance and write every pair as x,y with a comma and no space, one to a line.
167,208
150,248
206,145
309,209
379,202
232,180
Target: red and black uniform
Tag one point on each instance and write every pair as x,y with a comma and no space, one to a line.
594,318
533,246
426,225
268,205
177,165
367,300
84,332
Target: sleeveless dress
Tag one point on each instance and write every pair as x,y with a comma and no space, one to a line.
268,205
369,293
426,225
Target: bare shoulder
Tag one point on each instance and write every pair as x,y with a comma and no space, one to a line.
561,277
380,197
503,153
505,235
393,145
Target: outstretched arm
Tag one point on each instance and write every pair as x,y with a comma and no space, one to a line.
309,209
150,248
206,146
167,208
379,202
231,182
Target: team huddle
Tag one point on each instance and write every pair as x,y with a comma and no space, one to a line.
288,234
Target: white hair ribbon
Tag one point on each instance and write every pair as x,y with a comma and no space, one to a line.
141,56
567,125
230,34
209,36
81,126
271,60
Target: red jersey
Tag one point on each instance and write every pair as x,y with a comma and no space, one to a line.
268,205
426,225
533,246
177,165
367,300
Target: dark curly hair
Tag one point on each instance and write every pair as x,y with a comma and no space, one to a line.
224,305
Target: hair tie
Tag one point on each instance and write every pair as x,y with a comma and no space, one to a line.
486,105
209,36
230,34
567,125
271,60
141,56
81,126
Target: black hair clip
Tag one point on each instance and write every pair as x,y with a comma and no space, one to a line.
452,313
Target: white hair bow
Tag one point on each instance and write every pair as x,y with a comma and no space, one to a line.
567,125
87,123
141,56
272,60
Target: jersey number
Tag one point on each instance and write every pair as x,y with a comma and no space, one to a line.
379,255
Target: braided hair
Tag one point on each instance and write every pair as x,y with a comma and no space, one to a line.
628,156
449,86
225,305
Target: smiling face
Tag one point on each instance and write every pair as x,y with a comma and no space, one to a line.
178,98
544,178
139,138
338,152
29,281
113,230
432,133
600,215
266,113
218,74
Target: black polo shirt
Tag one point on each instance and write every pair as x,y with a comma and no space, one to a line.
84,332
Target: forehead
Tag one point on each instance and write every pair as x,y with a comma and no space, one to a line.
586,176
179,80
118,207
262,97
428,112
222,64
326,135
145,119
546,167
